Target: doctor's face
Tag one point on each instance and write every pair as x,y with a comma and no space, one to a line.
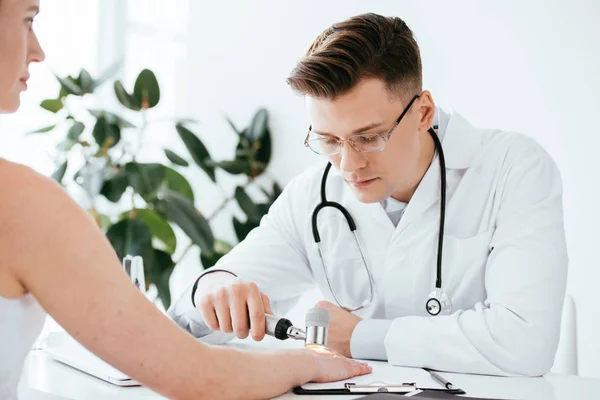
19,47
369,109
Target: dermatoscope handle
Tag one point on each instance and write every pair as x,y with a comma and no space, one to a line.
277,327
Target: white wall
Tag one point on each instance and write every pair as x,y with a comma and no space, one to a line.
530,66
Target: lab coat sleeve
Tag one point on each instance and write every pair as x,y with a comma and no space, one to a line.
273,256
368,339
515,331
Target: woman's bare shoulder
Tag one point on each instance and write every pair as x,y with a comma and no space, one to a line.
23,186
32,204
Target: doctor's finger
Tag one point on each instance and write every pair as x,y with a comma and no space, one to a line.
266,304
207,309
223,315
256,312
239,316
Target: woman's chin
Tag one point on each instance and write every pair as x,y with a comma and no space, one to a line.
8,106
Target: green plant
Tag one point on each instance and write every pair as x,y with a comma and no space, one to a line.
99,153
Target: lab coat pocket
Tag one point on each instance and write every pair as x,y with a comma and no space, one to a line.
464,262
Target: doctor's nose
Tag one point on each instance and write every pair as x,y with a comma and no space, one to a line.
350,160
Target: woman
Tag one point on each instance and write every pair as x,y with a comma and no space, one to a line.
54,259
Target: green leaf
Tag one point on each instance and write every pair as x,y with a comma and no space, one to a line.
43,130
66,145
176,182
263,209
129,236
52,105
145,178
59,174
111,118
262,151
70,86
243,229
276,191
159,267
179,210
209,259
197,150
234,167
258,126
146,90
247,205
104,221
114,187
75,131
125,98
159,227
86,83
176,159
244,150
103,131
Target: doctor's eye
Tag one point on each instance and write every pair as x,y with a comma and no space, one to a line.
369,139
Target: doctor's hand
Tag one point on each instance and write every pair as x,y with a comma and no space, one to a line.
230,305
341,326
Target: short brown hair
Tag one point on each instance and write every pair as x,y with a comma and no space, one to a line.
364,46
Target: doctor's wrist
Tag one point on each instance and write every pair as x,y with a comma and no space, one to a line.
215,277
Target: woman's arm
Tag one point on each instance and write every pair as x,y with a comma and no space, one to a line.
57,253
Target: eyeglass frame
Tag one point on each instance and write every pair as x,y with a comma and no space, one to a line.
350,141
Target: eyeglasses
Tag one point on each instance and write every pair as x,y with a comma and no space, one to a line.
364,143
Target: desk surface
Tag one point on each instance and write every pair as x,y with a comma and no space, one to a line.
46,379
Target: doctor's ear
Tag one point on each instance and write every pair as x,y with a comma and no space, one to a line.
426,109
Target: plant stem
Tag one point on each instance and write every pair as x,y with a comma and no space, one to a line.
226,201
219,209
142,132
184,253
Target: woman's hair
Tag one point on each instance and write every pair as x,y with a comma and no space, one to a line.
364,46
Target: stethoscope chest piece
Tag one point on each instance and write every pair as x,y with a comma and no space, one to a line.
438,303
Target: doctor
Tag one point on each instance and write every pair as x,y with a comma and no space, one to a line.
458,260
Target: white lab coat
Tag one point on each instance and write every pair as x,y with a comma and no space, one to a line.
504,258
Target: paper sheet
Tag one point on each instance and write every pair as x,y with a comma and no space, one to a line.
385,373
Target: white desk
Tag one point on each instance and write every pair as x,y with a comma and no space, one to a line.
46,379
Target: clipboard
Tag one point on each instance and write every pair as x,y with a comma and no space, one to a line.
351,388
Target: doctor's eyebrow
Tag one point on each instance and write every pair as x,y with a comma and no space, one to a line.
33,9
354,132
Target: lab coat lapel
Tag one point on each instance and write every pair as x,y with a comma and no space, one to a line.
427,193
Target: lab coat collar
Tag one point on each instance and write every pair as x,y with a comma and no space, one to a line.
461,143
460,140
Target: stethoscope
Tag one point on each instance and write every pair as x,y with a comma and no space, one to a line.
438,301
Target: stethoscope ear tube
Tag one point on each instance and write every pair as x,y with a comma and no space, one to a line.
440,151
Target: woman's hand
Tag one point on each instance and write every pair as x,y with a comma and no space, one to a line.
331,366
